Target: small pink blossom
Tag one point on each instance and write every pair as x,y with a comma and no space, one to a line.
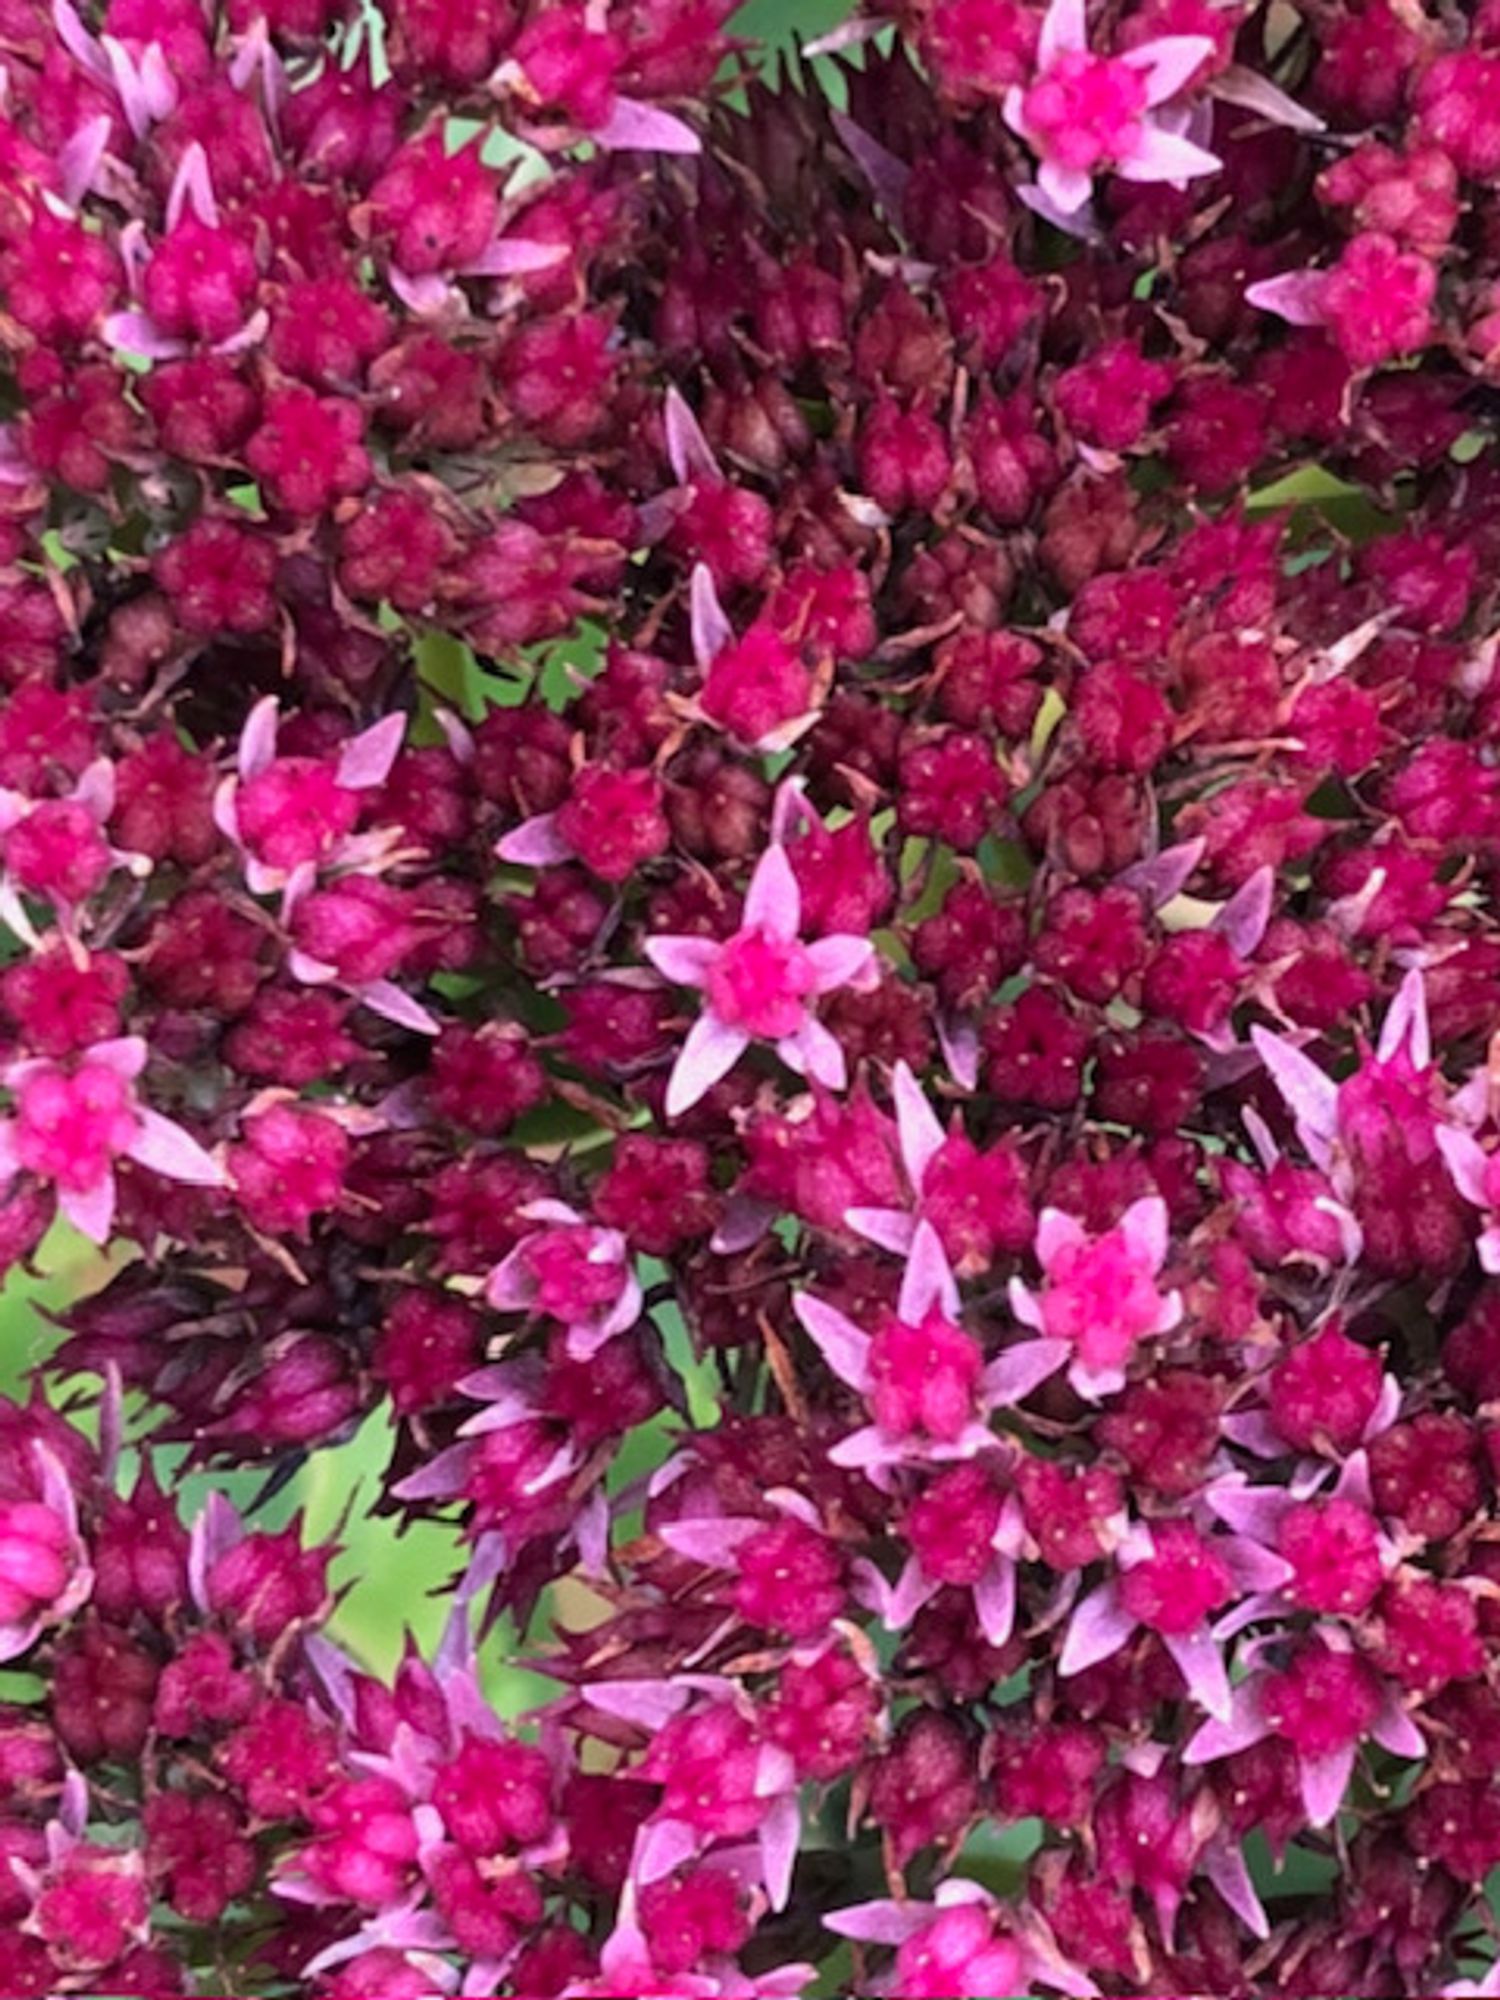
71,1122
1101,1297
1083,112
574,1272
56,850
759,985
963,1945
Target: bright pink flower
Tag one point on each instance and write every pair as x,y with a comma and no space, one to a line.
1084,112
759,985
1101,1297
574,1272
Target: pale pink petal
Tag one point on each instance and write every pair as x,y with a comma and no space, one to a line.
632,127
78,42
124,1054
257,745
686,961
1012,1376
366,760
869,1449
1099,1627
1394,1730
1067,189
773,902
847,35
650,1704
1056,1233
780,1835
514,257
1244,1725
1242,920
1488,1246
311,971
891,1228
711,1051
1064,32
191,184
712,1543
1405,1026
428,295
1079,223
1202,1667
136,333
1251,91
839,959
1166,156
887,175
1168,62
745,1221
1024,1304
879,1923
906,1597
689,452
166,1149
814,1051
995,1601
928,1279
1225,1866
1167,874
843,1346
1295,296
712,631
1466,1160
90,1210
10,1165
1325,1780
157,84
78,161
392,1003
510,1286
917,1123
1310,1096
1146,1228
959,1041
535,843
662,1846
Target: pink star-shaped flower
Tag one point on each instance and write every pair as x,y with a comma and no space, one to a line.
1101,1295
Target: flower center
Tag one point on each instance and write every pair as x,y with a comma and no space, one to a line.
1085,110
761,983
70,1128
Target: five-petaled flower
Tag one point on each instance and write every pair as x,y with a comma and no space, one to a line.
1101,1297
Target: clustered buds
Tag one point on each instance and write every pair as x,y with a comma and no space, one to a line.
758,801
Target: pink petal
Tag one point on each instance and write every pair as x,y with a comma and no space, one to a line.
1225,1866
78,161
90,1210
1097,1630
688,450
887,175
535,843
392,1003
1466,1160
1024,1304
1325,1780
166,1149
843,1346
1169,62
1253,92
1064,32
838,960
711,1051
712,631
428,295
1012,1376
1405,1025
1222,1738
510,1286
135,333
366,761
1296,297
686,961
661,1846
917,1123
632,127
928,1280
513,257
1165,156
869,1449
650,1704
191,183
891,1228
710,1542
257,745
124,1054
1067,188
78,42
1394,1730
1167,874
773,902
1202,1667
879,1923
959,1041
1146,1227
1056,1233
995,1601
780,1835
1243,919
814,1051
1310,1096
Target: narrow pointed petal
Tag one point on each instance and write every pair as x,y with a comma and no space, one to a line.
192,185
1166,156
78,161
137,333
1012,1376
773,902
711,1051
1146,1228
632,127
535,843
712,1543
690,453
1243,919
392,1003
1202,1667
686,961
1057,1232
841,1343
1168,63
887,175
257,745
1466,1161
712,631
780,1833
1394,1730
90,1210
995,1601
1244,1725
839,960
1325,1780
510,1287
917,1123
1025,1306
928,1280
1064,32
1405,1025
1097,1630
124,1054
878,1923
1167,874
1295,296
165,1148
514,257
1310,1096
959,1041
892,1228
816,1052
1066,189
1253,92
1225,1866
662,1846
366,760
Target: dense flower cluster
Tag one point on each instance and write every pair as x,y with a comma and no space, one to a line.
766,798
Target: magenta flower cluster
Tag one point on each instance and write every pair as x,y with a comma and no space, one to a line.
762,795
